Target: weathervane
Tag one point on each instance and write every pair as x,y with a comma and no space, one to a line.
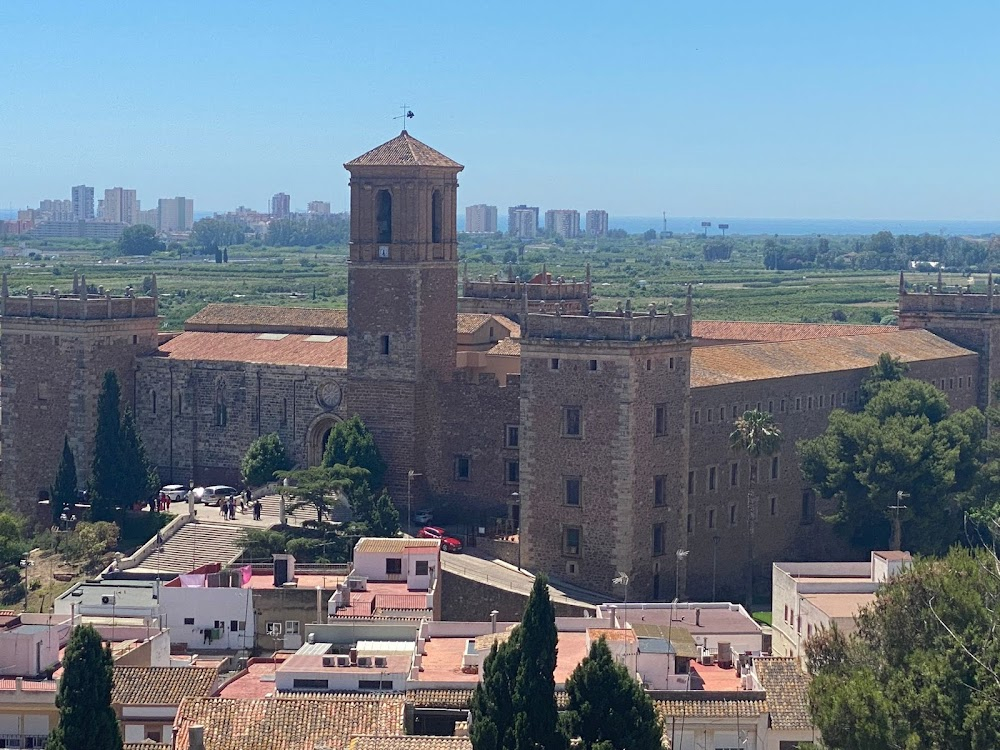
407,115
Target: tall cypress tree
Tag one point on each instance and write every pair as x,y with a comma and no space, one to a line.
106,470
63,492
492,726
608,708
138,479
86,719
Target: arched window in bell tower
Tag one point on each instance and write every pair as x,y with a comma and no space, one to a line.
383,216
436,216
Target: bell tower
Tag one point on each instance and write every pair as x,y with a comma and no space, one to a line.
402,281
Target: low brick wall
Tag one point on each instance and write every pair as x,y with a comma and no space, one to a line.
499,549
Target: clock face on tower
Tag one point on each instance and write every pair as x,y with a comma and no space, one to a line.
329,395
383,251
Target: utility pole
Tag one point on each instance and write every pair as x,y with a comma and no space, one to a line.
897,528
681,556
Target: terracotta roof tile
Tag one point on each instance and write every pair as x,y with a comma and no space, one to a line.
236,318
401,601
160,686
381,544
145,746
290,349
509,347
741,330
403,150
409,742
717,365
696,708
457,698
472,322
287,723
787,688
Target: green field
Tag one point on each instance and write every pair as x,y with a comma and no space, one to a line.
628,268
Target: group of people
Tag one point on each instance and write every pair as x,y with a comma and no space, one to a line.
228,506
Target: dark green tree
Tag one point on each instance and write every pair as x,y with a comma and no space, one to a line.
260,544
139,478
218,255
606,705
888,369
492,726
921,670
265,456
351,443
86,719
384,519
320,488
904,440
106,470
139,239
13,548
225,255
63,494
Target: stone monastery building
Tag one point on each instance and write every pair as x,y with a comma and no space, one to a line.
612,428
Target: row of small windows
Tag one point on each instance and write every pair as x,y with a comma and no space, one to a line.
712,475
806,517
555,363
463,470
221,409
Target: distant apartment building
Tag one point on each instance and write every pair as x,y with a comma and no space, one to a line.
481,219
120,205
150,217
319,208
176,214
522,221
281,206
55,210
597,223
91,230
562,223
83,202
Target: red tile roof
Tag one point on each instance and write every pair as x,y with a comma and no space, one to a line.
291,349
718,365
403,150
509,347
160,686
740,330
236,318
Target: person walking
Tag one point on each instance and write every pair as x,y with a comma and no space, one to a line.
256,509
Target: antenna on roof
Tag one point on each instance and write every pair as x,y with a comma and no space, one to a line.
406,115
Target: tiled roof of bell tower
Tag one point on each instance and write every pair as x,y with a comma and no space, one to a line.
403,151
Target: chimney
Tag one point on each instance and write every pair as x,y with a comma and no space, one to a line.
196,737
697,617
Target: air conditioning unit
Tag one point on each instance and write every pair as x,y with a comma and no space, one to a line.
381,661
108,599
357,584
343,660
330,661
364,661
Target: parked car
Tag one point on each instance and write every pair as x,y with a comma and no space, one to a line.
214,494
448,543
176,492
423,516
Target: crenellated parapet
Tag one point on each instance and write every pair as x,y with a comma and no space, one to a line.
623,324
79,305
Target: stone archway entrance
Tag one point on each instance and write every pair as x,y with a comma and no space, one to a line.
317,436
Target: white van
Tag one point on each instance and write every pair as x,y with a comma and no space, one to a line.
215,494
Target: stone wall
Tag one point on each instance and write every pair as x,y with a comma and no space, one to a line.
467,600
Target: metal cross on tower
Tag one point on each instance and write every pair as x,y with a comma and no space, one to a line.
407,114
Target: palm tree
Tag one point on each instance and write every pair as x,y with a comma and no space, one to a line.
755,434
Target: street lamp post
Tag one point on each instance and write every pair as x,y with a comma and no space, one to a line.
409,513
516,497
622,580
681,554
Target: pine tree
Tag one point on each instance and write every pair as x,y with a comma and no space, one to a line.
86,719
351,443
608,708
105,473
514,707
63,492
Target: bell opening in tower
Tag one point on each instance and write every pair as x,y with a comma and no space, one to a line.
383,215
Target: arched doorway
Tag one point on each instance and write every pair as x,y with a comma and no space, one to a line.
317,436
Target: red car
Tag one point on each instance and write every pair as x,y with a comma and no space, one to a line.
448,543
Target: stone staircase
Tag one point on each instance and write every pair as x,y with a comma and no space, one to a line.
193,545
270,512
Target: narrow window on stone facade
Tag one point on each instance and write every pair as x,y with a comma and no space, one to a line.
697,416
513,436
462,469
809,403
775,467
649,365
722,414
770,407
798,404
659,490
135,339
573,490
843,398
774,506
437,216
732,515
711,478
491,333
572,422
690,522
734,474
658,539
951,384
736,411
708,413
554,363
808,507
758,406
781,406
670,363
821,401
690,482
221,412
571,541
384,344
660,420
383,216
592,365
513,472
152,395
711,518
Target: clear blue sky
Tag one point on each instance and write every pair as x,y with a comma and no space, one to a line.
853,109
